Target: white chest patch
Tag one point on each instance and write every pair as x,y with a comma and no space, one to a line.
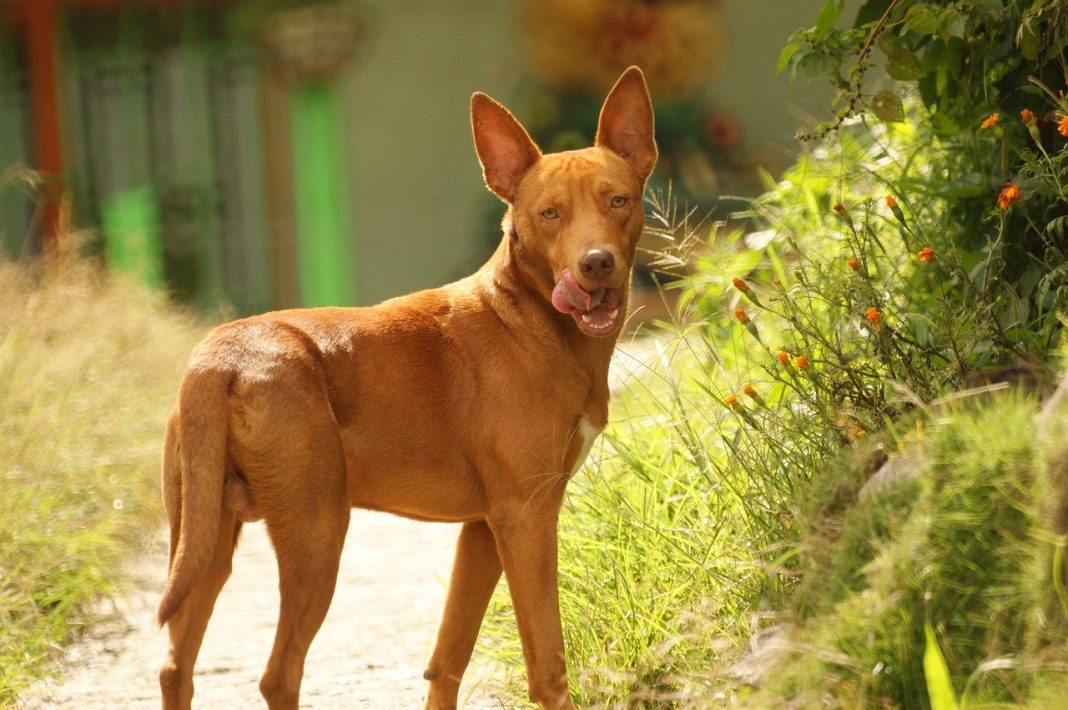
585,434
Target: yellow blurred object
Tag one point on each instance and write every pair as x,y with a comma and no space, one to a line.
582,45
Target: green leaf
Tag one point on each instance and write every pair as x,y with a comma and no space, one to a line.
922,19
829,14
787,53
1029,37
901,63
995,8
870,12
952,24
939,686
817,64
1057,228
888,107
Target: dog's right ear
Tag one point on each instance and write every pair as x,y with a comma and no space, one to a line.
504,148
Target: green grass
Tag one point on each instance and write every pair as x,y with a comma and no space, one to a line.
667,548
88,370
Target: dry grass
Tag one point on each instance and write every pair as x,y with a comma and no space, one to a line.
89,365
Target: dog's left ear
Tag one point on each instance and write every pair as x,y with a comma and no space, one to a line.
626,123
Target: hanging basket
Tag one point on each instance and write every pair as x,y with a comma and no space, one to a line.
314,42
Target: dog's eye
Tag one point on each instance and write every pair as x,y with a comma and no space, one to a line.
550,213
618,201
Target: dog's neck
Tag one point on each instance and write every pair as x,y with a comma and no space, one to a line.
515,278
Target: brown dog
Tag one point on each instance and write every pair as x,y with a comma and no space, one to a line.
471,403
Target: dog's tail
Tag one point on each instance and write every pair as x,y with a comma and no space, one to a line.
194,471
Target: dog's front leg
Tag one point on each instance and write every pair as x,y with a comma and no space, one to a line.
474,577
526,542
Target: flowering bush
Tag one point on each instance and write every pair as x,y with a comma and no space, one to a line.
922,239
973,66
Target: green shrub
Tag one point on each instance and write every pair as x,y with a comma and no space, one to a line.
991,76
962,545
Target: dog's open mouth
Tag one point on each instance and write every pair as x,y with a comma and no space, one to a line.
597,312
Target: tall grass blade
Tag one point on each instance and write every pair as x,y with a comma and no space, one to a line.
936,673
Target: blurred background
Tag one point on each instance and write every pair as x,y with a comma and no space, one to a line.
261,154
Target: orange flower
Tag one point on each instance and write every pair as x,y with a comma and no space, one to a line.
1028,118
891,202
749,391
990,121
839,208
875,317
926,255
741,315
1009,194
784,357
801,362
1062,126
853,264
730,400
859,433
740,285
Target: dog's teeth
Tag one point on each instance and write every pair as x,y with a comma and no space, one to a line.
612,314
586,318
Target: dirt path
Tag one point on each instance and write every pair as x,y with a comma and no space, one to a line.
369,653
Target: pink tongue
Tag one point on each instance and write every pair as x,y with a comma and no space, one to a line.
569,297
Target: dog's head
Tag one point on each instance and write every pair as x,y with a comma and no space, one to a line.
574,218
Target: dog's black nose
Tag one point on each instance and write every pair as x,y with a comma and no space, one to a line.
597,264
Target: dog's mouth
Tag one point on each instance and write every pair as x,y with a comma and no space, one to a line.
596,312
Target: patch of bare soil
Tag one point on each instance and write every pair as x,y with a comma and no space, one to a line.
370,651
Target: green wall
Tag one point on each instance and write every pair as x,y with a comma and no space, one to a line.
418,204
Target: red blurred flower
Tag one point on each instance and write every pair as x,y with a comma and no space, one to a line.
1009,194
723,131
875,317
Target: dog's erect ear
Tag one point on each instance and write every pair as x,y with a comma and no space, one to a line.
626,123
504,148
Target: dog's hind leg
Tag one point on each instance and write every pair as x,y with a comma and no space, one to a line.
308,546
307,511
186,627
474,577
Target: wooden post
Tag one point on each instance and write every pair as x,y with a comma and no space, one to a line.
41,18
